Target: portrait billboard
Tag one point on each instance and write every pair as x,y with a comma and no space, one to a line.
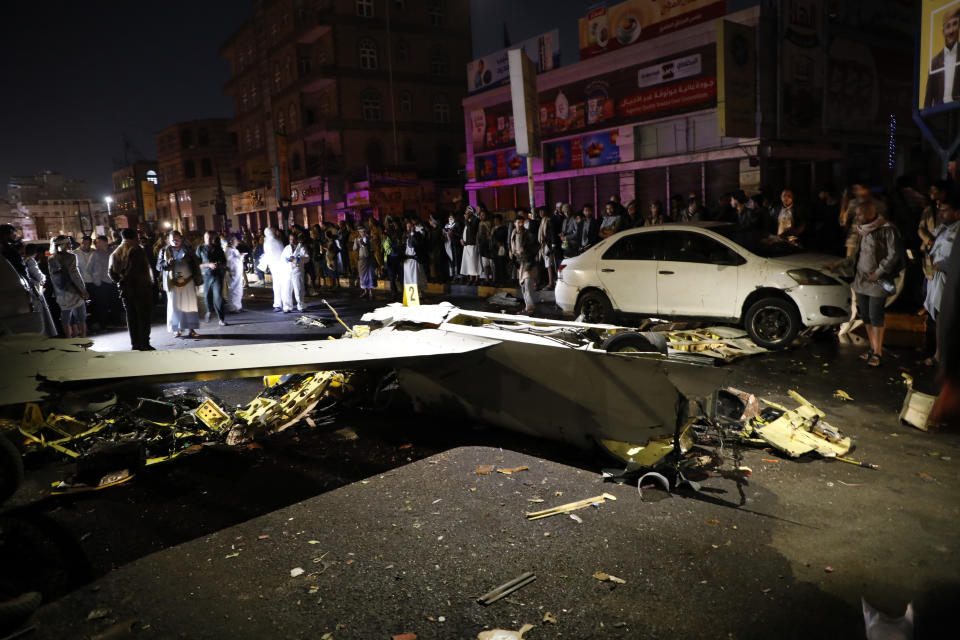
608,28
494,70
939,29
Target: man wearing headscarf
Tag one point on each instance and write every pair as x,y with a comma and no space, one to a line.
470,263
68,285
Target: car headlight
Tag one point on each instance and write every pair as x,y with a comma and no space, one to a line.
811,277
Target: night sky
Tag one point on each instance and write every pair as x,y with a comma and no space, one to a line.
77,76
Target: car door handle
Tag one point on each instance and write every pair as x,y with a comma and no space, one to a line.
607,270
665,273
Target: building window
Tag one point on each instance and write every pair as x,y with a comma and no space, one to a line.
365,8
403,53
406,102
248,139
281,122
368,54
438,62
409,151
292,116
206,167
257,137
295,161
244,100
276,75
186,140
370,105
400,5
273,33
189,170
441,108
435,12
203,138
304,66
152,176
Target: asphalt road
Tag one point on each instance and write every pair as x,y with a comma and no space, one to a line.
789,559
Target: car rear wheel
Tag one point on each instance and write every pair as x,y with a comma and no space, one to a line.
595,308
772,323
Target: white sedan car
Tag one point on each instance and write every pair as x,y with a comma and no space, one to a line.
705,271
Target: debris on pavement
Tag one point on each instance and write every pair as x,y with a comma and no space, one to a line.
404,636
606,577
484,469
513,469
840,394
656,478
98,614
576,518
916,405
504,634
296,572
507,588
549,618
310,321
503,299
570,506
799,431
725,344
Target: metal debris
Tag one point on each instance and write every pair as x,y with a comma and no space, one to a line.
507,588
570,506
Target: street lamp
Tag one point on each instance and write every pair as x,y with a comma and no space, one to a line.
109,201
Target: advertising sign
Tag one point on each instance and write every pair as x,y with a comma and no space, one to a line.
523,94
148,191
736,79
802,81
939,29
494,70
683,82
610,28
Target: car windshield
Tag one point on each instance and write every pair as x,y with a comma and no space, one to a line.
761,243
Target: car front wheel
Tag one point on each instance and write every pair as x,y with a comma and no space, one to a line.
772,323
595,308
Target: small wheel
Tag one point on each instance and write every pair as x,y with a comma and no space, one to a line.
634,342
772,323
595,308
11,468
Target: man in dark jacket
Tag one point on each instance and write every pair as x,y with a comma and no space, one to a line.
213,266
590,231
130,268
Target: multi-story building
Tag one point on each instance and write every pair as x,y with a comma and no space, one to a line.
50,204
333,97
781,94
134,195
196,172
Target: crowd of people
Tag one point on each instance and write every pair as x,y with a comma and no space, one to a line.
877,236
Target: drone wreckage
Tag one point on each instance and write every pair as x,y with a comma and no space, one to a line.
638,395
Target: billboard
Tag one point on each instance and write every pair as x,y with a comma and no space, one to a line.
526,112
736,79
679,83
939,28
614,27
494,70
802,68
148,190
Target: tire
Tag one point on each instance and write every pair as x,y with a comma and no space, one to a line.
11,468
772,323
634,342
595,308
